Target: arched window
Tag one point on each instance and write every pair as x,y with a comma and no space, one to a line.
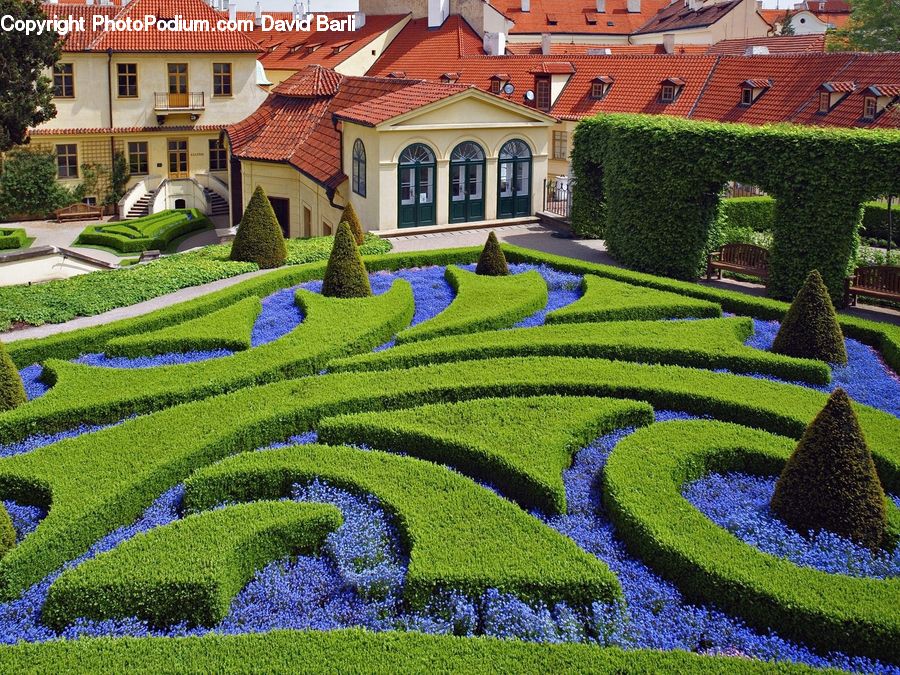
417,154
466,183
359,168
514,180
515,149
416,186
467,152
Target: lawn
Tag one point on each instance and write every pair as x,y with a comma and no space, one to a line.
564,468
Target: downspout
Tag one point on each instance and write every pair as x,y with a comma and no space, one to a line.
112,140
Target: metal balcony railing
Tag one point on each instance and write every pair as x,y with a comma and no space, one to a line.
192,100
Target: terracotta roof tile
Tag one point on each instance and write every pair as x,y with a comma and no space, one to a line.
574,17
786,44
106,131
555,68
417,45
313,81
399,102
79,41
839,87
677,16
884,89
559,49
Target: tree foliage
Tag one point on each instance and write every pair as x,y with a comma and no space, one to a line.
259,238
830,482
874,26
27,94
810,329
492,262
28,183
12,393
349,216
345,276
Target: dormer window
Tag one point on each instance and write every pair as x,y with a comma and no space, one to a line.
542,93
397,74
824,102
449,77
832,93
311,48
752,90
552,20
600,86
870,107
497,82
338,48
670,88
591,18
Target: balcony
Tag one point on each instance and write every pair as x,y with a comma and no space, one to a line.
192,101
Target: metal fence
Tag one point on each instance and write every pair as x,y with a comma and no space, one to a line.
734,189
558,198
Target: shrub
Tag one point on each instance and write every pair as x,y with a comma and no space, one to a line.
829,482
13,238
259,238
156,231
642,484
749,213
349,216
189,570
12,392
492,262
28,185
482,303
7,531
810,328
459,535
345,275
875,223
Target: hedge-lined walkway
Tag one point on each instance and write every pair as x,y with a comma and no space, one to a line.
532,236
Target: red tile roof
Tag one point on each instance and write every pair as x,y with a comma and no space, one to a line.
839,87
400,102
677,16
787,44
78,41
884,89
559,49
555,68
299,130
772,16
577,17
310,82
106,131
417,46
294,50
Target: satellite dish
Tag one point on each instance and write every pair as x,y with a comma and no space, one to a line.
529,95
508,88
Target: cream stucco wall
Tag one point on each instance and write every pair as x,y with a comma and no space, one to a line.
360,62
89,108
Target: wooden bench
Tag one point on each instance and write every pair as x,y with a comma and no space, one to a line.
876,281
78,212
741,258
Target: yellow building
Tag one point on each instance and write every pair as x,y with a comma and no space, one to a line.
161,98
405,153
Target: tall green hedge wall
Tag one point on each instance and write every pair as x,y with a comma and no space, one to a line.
657,181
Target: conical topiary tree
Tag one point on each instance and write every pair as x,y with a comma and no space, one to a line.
830,483
492,262
259,238
345,276
349,216
810,328
12,393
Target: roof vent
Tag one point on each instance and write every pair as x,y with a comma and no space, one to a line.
601,6
599,51
546,43
756,50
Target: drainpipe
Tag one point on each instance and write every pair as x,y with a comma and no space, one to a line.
112,140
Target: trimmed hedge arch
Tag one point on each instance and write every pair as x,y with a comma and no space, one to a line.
656,181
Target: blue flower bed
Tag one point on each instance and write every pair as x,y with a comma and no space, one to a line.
866,377
38,440
740,503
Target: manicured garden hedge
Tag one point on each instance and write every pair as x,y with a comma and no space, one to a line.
155,231
357,650
482,303
660,178
227,328
875,224
188,571
13,238
608,300
459,534
519,445
641,491
749,213
94,487
705,343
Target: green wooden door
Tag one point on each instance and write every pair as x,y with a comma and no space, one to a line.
466,183
415,175
514,180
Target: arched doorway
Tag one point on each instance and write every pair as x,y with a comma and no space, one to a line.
514,180
415,175
466,183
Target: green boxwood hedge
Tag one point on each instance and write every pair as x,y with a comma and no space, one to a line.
749,213
482,303
13,238
356,650
189,570
705,343
155,231
820,178
519,445
227,328
459,535
875,224
642,484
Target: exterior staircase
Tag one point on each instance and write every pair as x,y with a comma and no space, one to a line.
217,205
142,206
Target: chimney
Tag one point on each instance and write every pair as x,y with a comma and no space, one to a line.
756,50
360,19
232,11
669,43
297,10
257,15
634,6
526,5
495,44
546,41
438,11
601,6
